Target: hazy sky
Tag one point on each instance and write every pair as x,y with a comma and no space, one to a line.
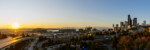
71,13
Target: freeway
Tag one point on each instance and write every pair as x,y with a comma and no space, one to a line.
9,41
33,44
6,43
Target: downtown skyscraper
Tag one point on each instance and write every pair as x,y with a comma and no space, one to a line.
129,20
135,22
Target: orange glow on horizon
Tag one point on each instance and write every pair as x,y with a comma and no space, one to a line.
21,26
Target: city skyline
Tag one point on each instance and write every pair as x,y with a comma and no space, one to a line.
59,14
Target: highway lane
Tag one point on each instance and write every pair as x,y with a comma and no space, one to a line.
33,44
9,41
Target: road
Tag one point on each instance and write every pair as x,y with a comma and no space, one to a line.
8,41
39,45
33,44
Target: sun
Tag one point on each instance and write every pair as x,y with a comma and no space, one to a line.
15,26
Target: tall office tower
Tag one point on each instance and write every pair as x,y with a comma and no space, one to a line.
144,23
130,23
113,27
129,19
126,25
121,24
135,22
117,27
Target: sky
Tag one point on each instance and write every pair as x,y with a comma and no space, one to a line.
71,13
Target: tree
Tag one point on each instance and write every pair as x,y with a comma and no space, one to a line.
125,43
141,42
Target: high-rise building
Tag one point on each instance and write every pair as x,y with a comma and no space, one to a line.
129,19
130,23
144,23
113,27
121,24
135,22
117,27
126,25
